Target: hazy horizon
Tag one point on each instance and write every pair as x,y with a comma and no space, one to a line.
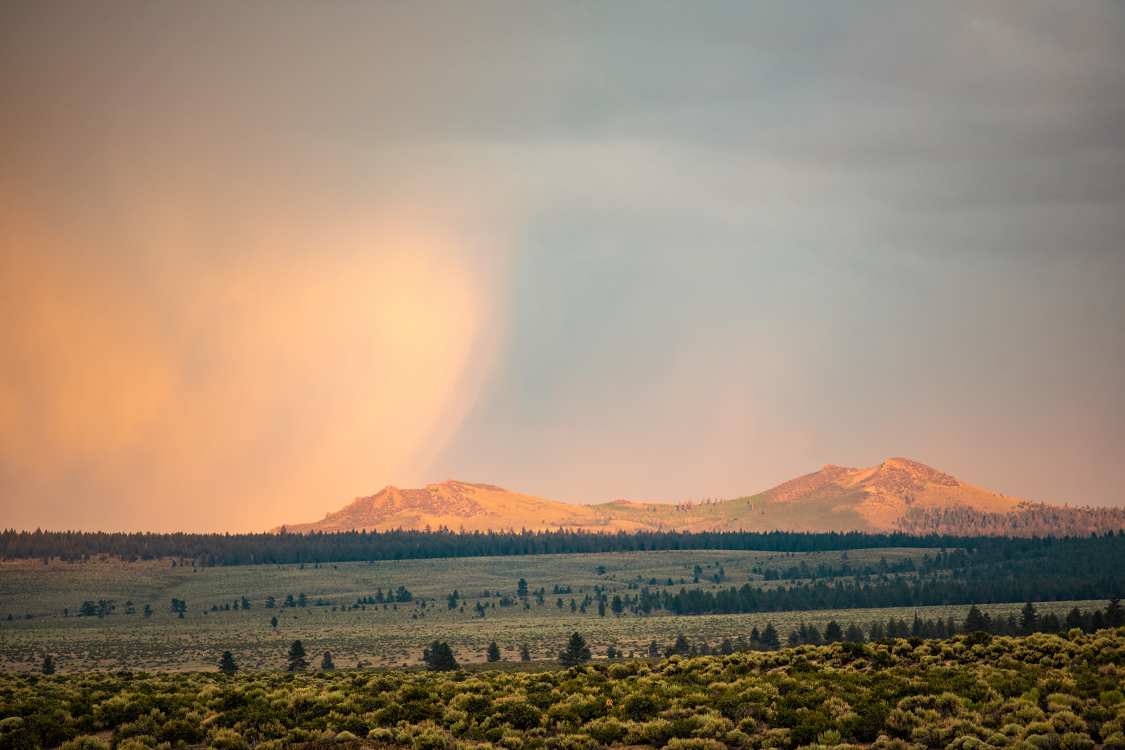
257,260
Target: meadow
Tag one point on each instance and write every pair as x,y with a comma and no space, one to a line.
43,603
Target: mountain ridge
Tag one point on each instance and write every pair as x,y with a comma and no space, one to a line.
898,494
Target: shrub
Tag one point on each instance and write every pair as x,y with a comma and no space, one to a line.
642,705
694,743
432,739
1065,722
1115,741
228,739
520,714
1075,741
85,742
606,730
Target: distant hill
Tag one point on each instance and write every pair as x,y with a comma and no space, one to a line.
897,495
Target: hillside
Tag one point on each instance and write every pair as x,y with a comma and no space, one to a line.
897,495
463,506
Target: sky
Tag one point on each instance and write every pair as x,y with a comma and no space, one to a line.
258,259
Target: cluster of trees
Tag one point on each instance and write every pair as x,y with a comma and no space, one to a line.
850,595
976,621
296,660
995,571
830,570
1043,691
105,607
439,656
247,549
1039,570
179,607
1029,520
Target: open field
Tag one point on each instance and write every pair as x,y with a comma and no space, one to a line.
29,586
377,634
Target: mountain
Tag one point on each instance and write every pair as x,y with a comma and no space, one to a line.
462,505
897,495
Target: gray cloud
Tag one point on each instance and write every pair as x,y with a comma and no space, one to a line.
720,245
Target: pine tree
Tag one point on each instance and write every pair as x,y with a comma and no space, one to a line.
273,621
770,639
854,634
297,661
975,620
521,588
493,653
833,633
1029,620
438,657
1114,614
812,635
48,665
576,651
227,664
525,653
326,662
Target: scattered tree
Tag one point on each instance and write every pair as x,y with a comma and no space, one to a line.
576,651
227,664
1029,620
438,657
770,638
297,661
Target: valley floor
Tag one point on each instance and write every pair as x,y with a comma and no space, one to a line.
391,635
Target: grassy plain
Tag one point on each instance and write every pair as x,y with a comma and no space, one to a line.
378,635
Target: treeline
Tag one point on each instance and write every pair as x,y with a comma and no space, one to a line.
1029,520
976,622
1017,570
268,548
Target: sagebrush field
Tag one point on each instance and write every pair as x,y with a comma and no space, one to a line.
977,692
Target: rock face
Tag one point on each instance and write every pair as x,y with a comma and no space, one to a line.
898,494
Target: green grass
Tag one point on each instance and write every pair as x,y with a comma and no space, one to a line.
377,636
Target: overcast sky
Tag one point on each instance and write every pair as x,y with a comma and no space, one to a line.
257,259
